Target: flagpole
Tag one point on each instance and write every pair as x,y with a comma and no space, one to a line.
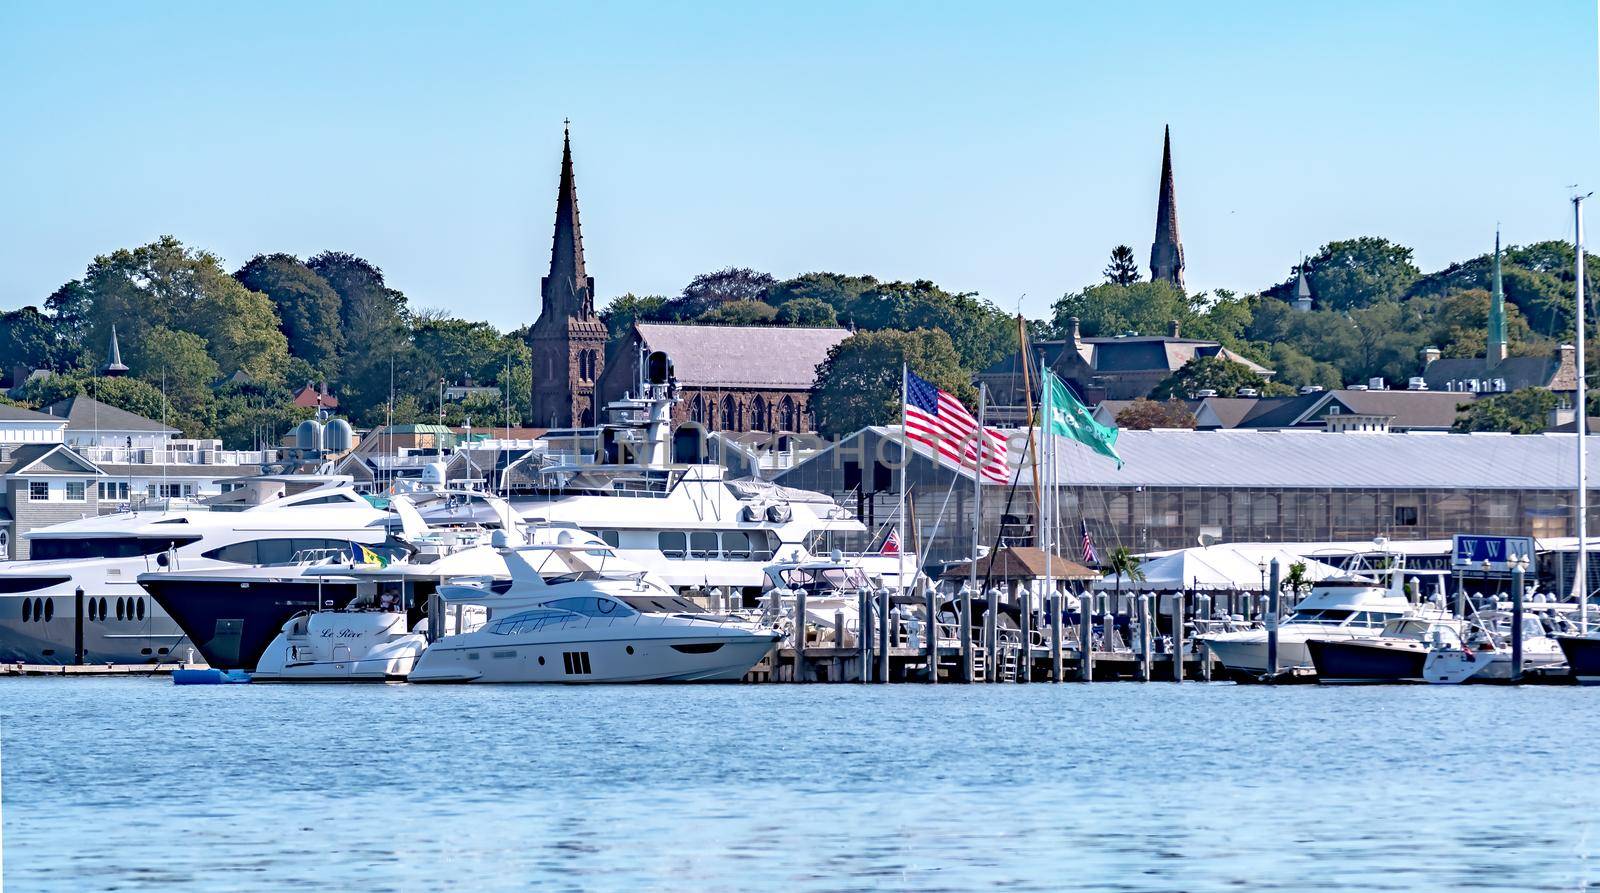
977,486
905,460
1047,393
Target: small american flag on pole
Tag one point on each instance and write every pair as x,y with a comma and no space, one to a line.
938,419
1089,556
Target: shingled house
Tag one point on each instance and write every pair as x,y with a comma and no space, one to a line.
1126,367
730,378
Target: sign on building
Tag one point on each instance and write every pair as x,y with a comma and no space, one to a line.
1491,553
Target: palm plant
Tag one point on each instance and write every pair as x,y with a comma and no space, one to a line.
1123,563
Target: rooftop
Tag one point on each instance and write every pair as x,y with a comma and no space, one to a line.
742,356
84,413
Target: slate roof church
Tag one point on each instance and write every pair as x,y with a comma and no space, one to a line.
731,378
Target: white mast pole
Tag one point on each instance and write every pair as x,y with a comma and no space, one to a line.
1582,422
977,489
1047,506
905,461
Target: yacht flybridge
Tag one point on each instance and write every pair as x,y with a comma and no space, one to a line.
80,581
688,523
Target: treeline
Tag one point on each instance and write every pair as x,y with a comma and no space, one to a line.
228,349
221,354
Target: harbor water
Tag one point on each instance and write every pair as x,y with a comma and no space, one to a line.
134,784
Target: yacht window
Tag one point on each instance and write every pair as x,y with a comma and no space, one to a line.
38,609
673,544
27,610
590,606
736,545
234,553
612,538
339,499
662,604
274,551
141,608
1336,616
121,614
102,609
528,621
763,544
1305,616
49,609
703,544
105,547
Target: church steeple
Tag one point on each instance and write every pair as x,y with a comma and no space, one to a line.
568,339
1497,311
113,366
1302,290
1166,254
568,290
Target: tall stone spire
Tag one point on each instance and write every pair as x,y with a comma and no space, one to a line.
113,366
1497,311
568,290
568,340
1166,254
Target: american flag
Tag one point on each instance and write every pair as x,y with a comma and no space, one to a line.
1089,555
938,419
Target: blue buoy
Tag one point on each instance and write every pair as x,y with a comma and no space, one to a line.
209,676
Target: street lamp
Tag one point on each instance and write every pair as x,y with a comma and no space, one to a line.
1519,565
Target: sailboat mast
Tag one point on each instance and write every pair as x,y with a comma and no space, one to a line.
1581,417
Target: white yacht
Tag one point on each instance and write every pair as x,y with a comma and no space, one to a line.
691,525
369,641
832,586
1484,653
573,613
232,613
1351,607
95,562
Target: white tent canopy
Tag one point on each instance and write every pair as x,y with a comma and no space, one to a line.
1213,568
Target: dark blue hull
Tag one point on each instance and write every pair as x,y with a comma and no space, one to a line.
232,623
1583,658
1368,660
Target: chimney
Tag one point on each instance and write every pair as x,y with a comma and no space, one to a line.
1073,335
1429,354
1172,329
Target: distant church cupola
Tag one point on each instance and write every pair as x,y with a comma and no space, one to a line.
113,366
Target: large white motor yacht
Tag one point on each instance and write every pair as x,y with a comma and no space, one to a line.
1484,653
573,613
1350,607
96,561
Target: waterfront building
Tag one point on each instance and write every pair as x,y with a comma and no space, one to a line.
1236,486
568,340
730,378
314,397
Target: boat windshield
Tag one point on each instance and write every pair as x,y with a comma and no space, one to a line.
1322,617
825,577
662,604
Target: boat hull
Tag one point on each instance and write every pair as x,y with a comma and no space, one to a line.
232,623
147,636
619,659
1356,661
1583,657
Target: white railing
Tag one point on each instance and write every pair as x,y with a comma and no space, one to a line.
157,456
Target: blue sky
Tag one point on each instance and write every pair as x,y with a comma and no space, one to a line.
996,148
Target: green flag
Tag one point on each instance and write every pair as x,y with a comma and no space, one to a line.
1064,415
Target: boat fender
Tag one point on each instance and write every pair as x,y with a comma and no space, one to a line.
779,514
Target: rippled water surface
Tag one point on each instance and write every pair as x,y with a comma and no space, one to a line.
135,784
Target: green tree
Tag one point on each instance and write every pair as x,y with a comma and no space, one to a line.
307,307
1526,411
1122,564
1223,376
373,316
1123,269
836,290
179,363
1357,273
1146,308
858,384
166,285
620,315
28,338
709,290
808,312
980,331
739,313
1144,414
255,421
70,307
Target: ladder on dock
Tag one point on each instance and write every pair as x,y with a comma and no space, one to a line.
980,663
